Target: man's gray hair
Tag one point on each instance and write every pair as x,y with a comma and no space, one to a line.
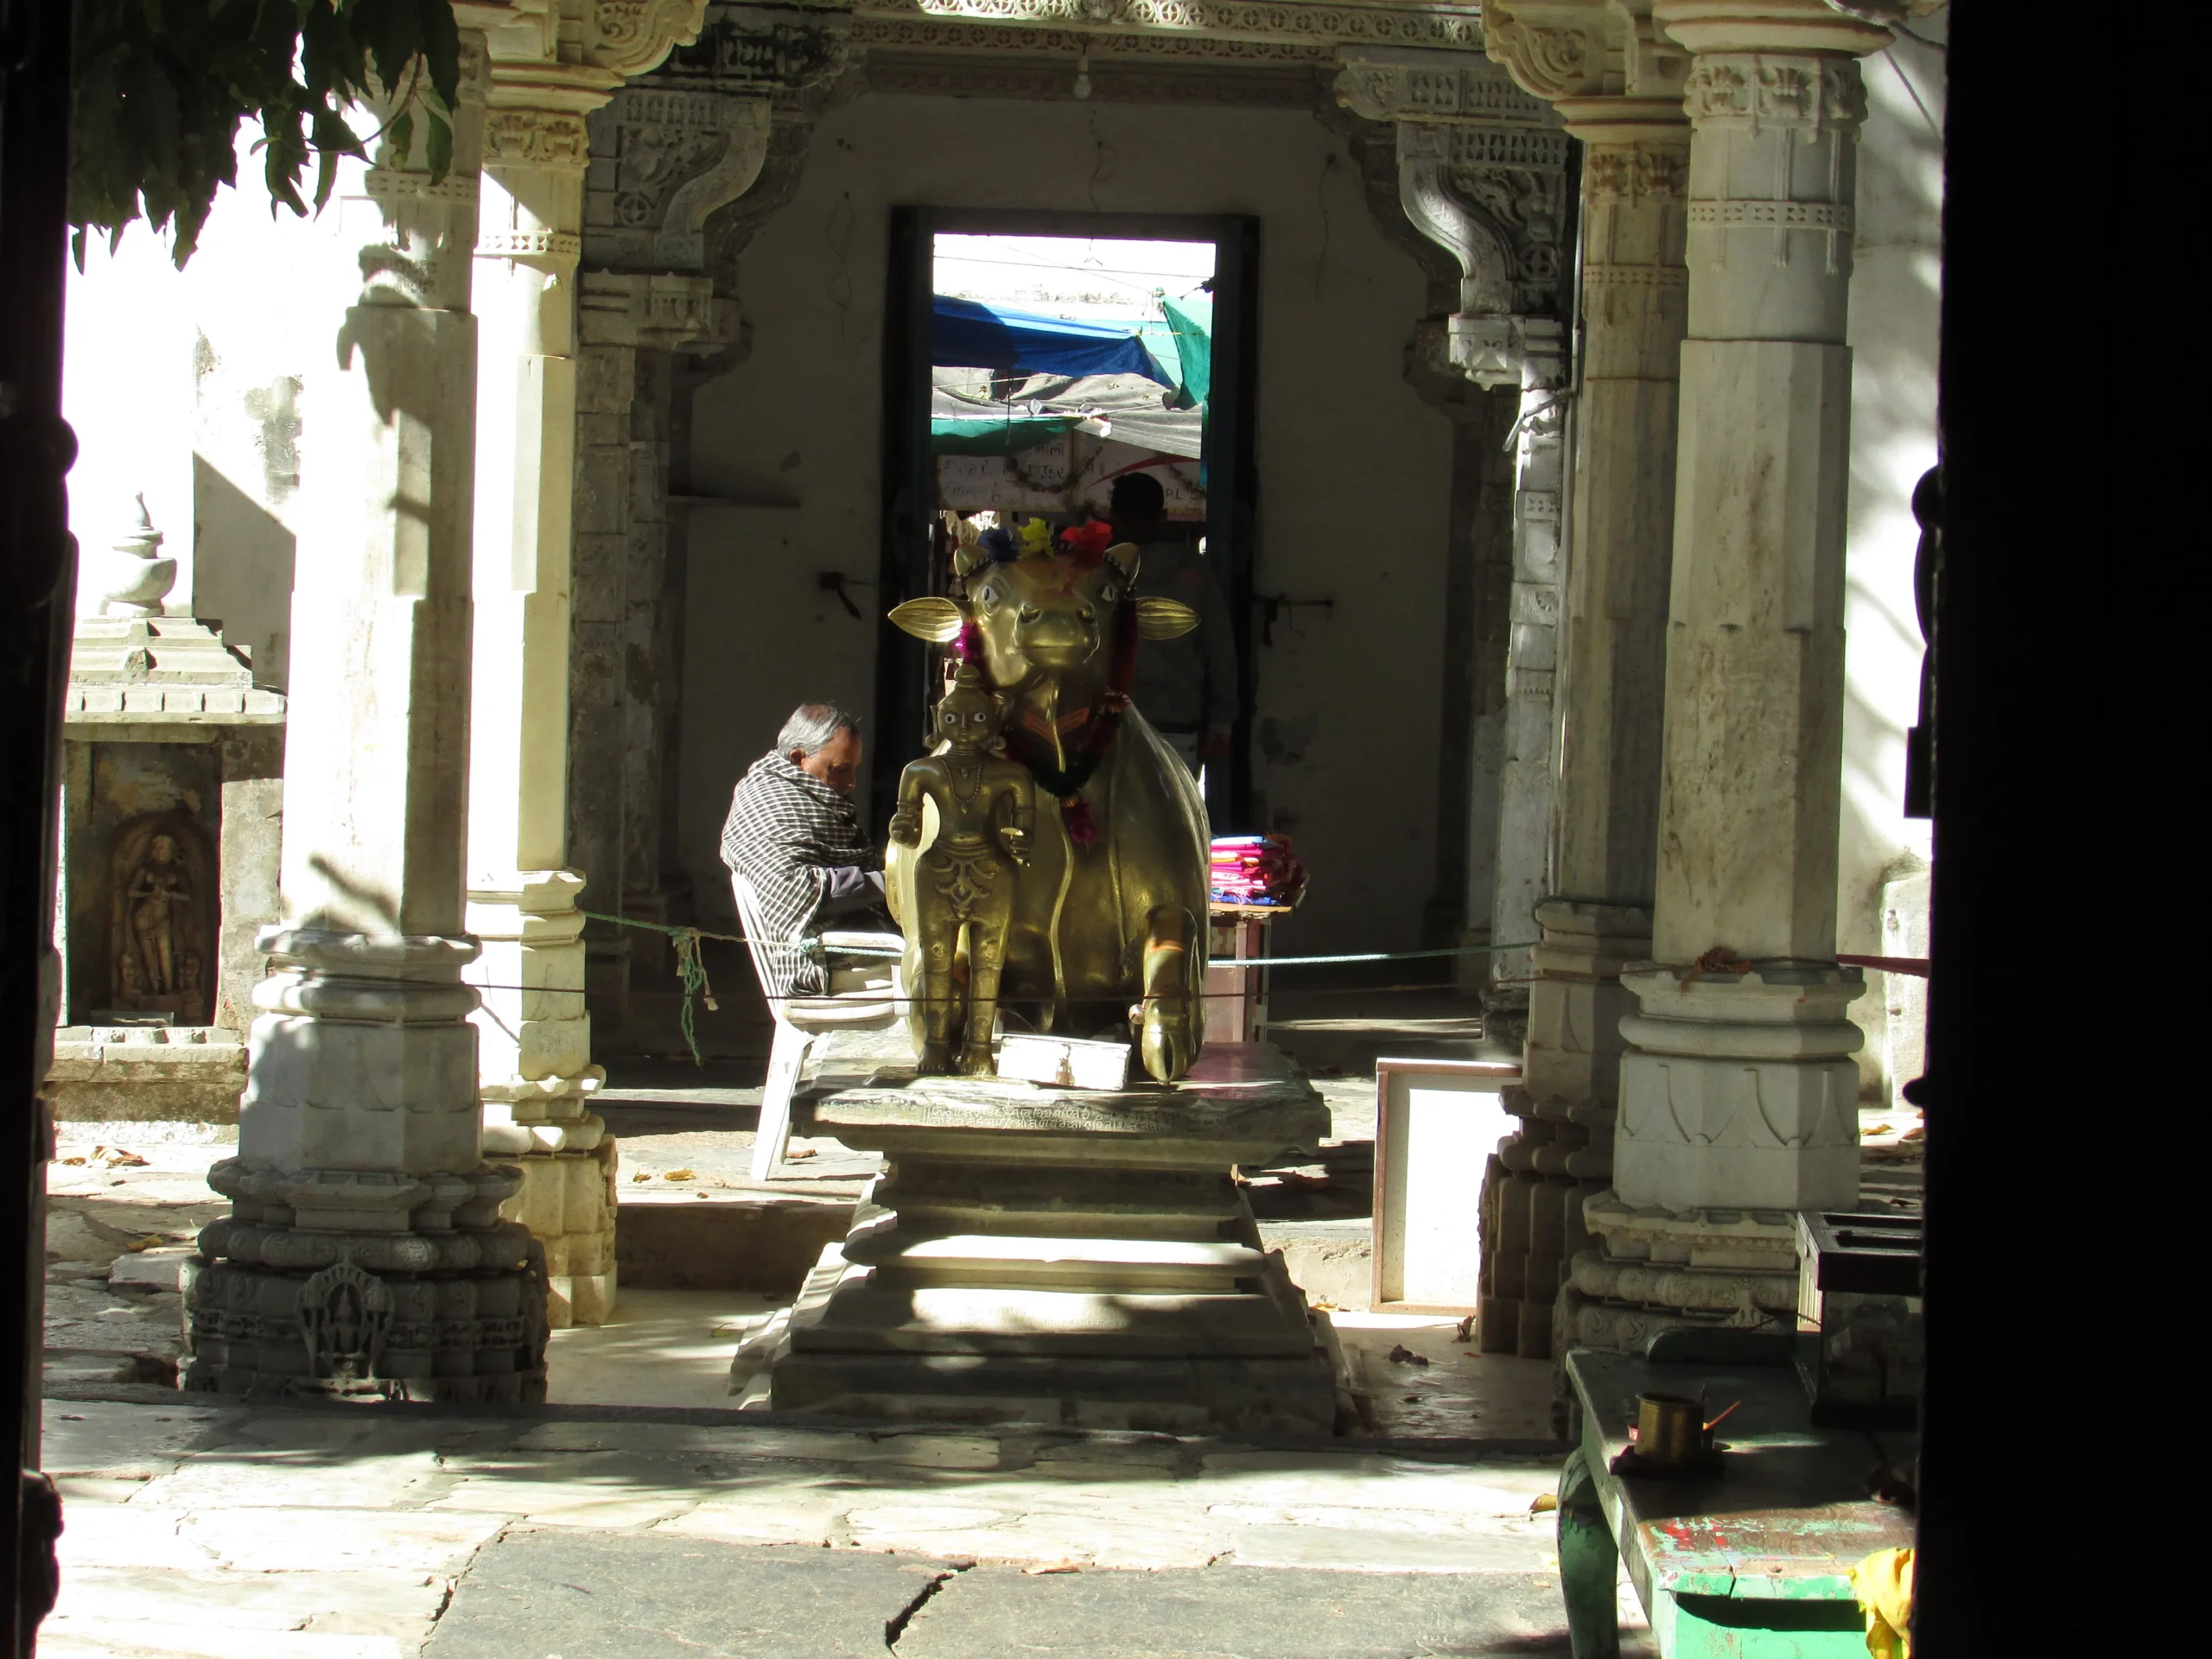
812,725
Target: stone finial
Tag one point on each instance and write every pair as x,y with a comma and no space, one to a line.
136,579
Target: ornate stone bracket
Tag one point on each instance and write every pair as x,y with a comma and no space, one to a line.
1482,173
669,159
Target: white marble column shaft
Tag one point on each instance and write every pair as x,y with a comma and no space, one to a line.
1611,654
1738,1098
538,1074
363,1252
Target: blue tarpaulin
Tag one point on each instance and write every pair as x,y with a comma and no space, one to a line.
969,335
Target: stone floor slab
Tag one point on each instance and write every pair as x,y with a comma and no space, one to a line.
218,1480
602,1596
1222,1613
316,1540
65,1638
766,1440
120,1442
338,1602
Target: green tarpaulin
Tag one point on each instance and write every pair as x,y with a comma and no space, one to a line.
1193,322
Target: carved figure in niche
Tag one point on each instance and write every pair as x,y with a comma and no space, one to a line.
158,889
986,809
162,903
345,1316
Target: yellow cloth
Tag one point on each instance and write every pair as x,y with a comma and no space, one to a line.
1883,1584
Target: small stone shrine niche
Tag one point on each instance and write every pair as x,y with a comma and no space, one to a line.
161,885
172,789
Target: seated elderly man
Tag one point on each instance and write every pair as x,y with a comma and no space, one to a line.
793,833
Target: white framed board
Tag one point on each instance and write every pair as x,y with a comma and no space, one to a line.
1436,1124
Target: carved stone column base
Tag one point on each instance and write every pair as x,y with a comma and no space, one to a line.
536,1048
473,1338
1657,1268
567,1202
1741,1090
1531,1226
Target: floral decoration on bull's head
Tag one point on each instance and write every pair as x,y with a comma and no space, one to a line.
1041,615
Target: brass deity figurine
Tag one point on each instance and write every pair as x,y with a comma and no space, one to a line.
1108,929
966,878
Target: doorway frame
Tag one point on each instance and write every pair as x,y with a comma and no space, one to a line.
911,562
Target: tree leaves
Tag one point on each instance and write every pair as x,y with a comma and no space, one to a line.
162,86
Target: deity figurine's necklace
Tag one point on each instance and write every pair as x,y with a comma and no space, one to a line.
965,794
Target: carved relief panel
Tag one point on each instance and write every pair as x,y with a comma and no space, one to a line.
160,887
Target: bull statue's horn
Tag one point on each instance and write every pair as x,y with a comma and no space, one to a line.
939,620
1157,619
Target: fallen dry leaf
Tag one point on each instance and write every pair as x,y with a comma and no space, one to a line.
72,1160
1410,1400
1545,1503
677,1175
703,1195
145,1243
1402,1355
641,1176
794,1153
1917,1133
1323,1305
1042,1568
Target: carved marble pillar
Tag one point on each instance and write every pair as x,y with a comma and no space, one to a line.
1738,1097
1482,173
535,1036
1599,63
637,328
364,1252
538,1069
664,159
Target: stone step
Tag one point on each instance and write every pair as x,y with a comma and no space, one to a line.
872,1313
1014,1260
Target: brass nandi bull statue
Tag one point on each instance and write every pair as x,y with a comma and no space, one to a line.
1109,909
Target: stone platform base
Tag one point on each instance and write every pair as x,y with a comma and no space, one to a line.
146,1074
1061,1256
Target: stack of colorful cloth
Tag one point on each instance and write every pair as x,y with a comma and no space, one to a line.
1257,870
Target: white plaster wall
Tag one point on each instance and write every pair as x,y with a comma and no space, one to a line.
1354,470
1894,285
126,391
178,383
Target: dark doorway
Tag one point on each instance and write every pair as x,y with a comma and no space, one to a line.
1216,488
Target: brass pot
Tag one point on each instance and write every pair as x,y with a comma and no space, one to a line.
1669,1429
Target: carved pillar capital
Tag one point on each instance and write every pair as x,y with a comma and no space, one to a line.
1812,26
632,36
1556,48
535,137
669,311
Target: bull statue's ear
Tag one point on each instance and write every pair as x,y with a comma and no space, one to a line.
1159,619
1123,556
965,532
937,620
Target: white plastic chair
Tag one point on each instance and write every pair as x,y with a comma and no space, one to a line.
868,997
